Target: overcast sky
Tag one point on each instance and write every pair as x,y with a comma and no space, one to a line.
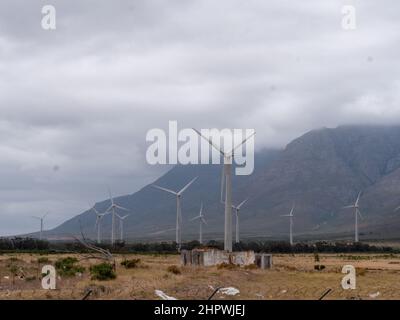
76,102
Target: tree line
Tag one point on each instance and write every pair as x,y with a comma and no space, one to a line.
33,245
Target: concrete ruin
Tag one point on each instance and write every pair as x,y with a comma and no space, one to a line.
213,257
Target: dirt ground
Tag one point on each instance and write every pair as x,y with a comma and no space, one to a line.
292,277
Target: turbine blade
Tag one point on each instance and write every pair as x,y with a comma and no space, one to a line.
165,189
350,206
121,208
242,203
204,220
94,209
359,213
195,218
210,142
187,186
243,142
291,212
111,197
201,209
358,199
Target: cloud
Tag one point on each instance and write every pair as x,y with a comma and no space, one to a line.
81,98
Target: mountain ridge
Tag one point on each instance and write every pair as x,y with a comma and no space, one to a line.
320,172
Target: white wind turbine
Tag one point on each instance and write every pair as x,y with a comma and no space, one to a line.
41,224
227,174
290,215
237,209
357,213
121,226
178,236
202,220
112,209
99,217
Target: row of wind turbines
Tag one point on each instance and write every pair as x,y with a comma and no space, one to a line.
226,199
114,215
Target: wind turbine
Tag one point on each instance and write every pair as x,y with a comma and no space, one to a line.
41,224
290,215
178,236
357,213
202,220
97,225
227,182
112,209
237,218
121,226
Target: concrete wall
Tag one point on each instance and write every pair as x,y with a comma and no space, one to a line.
212,257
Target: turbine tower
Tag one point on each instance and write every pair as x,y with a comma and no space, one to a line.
237,209
290,215
202,220
357,213
178,235
113,209
227,182
97,225
121,226
41,224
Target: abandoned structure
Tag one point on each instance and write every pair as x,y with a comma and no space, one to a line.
212,257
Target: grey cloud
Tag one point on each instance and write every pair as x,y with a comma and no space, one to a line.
81,98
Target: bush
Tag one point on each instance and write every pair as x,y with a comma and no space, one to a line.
130,264
319,267
43,260
228,266
30,278
67,267
361,271
174,269
102,271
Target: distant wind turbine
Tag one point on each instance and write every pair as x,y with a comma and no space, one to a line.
112,209
99,217
121,226
41,224
357,213
178,235
227,183
290,215
202,221
237,218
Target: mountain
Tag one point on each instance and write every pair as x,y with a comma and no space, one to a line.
319,172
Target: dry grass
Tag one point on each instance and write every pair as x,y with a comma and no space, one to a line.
292,277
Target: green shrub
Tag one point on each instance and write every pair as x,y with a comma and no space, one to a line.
67,267
102,271
130,264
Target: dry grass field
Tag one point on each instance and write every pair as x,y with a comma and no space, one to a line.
292,277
